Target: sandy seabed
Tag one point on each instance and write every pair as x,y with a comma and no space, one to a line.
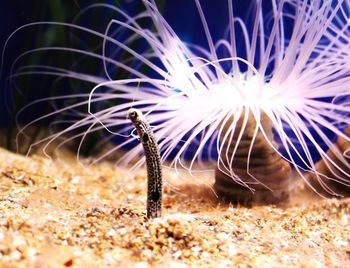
57,213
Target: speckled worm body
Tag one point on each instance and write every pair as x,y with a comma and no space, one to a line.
154,170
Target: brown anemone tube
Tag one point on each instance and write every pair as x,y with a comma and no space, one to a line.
265,166
324,184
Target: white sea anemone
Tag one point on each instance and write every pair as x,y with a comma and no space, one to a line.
290,69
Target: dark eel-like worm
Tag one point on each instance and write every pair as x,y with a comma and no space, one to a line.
154,170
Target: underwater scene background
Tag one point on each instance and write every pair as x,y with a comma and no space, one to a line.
70,208
54,64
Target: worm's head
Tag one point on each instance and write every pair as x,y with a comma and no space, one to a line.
134,114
